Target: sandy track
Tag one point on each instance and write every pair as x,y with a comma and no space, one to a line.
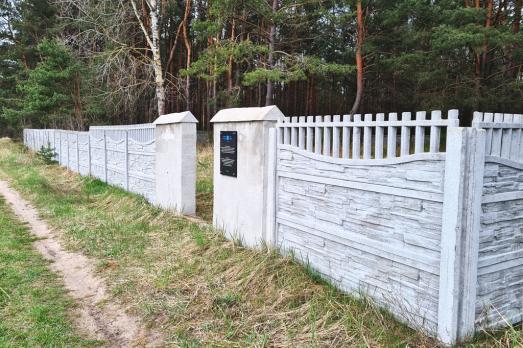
98,317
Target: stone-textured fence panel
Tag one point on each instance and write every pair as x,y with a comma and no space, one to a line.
361,200
500,264
379,234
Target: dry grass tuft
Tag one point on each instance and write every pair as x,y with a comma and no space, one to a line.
204,182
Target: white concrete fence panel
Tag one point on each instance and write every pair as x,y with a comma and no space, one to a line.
500,264
129,157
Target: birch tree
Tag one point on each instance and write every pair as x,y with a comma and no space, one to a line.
153,41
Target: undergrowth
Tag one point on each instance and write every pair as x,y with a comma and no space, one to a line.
204,182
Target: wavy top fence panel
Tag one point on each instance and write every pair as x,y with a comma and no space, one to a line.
504,134
369,136
141,133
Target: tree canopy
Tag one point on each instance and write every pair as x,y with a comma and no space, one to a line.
72,63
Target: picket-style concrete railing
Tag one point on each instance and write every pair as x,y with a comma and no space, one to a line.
157,160
370,136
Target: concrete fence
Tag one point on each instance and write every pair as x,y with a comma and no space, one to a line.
411,210
157,160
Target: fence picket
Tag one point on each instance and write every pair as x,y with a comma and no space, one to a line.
310,131
336,138
497,136
488,117
286,136
392,135
327,134
294,132
345,141
301,133
506,138
517,148
356,138
419,146
405,135
378,151
367,137
318,136
435,132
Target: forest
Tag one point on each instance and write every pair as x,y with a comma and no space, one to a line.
74,63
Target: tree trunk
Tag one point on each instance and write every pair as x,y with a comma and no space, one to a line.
230,64
359,60
77,99
188,48
270,58
157,58
154,44
488,24
518,4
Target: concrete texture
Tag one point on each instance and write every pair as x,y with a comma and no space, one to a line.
241,203
176,167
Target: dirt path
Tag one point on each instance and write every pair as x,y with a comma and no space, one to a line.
97,317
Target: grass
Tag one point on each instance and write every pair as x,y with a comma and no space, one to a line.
189,282
34,307
204,182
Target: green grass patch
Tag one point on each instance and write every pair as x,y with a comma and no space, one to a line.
34,306
204,182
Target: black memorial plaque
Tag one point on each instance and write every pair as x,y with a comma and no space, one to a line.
228,153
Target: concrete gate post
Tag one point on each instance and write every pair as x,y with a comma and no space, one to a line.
242,172
176,162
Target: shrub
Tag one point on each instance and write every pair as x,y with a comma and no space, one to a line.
47,154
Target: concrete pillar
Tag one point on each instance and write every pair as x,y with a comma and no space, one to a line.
243,201
464,167
176,162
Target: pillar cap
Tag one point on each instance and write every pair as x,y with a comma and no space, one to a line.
266,113
180,117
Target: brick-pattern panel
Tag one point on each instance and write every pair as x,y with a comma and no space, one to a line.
372,239
500,271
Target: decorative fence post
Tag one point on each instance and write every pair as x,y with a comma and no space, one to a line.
243,140
176,162
464,168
